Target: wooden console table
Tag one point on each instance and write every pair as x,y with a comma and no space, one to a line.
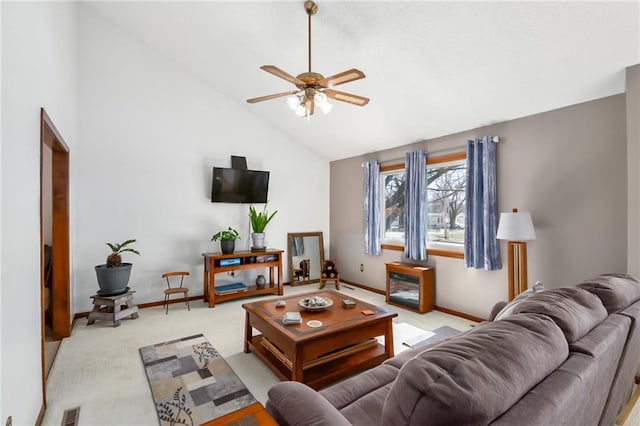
411,286
215,263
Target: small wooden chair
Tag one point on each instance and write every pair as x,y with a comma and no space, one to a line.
175,290
330,273
302,274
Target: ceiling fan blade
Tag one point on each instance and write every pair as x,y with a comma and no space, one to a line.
282,74
274,96
341,78
346,97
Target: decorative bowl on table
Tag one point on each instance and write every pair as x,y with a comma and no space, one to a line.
315,303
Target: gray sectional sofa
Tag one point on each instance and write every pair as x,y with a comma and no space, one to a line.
565,356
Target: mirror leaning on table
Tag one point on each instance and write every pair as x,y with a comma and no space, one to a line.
306,256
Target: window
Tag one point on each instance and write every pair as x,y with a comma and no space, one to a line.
393,205
446,196
446,183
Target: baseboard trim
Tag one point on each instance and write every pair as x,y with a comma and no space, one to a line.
364,287
146,305
355,284
459,314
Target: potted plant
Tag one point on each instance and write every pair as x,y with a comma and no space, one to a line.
259,221
227,240
113,276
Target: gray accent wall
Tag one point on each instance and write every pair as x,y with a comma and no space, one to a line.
567,167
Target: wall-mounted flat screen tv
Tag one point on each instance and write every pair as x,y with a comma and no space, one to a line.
239,186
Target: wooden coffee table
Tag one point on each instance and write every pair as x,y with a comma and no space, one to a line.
343,345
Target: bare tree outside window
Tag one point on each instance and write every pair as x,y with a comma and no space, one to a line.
445,203
446,197
393,183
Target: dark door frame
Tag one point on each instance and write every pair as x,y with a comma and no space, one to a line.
60,286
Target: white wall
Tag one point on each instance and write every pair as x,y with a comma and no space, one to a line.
150,134
633,174
38,70
1,168
566,167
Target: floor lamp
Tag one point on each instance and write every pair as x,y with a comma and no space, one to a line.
517,228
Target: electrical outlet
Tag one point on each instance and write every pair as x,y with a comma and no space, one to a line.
9,421
362,267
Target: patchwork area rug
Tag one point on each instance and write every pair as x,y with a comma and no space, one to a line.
428,337
191,383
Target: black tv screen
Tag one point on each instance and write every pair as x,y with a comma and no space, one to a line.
239,186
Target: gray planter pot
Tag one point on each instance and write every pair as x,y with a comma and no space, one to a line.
113,281
227,246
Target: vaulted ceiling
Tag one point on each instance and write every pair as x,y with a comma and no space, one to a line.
433,68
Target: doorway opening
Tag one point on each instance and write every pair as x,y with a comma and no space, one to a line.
54,241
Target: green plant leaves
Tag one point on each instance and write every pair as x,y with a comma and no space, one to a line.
259,220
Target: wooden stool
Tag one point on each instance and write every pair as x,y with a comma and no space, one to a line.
113,308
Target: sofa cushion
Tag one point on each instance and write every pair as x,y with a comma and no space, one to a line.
350,390
575,310
475,377
399,360
616,291
605,343
509,307
367,411
623,382
560,399
296,404
496,309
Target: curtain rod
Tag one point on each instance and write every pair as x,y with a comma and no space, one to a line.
495,139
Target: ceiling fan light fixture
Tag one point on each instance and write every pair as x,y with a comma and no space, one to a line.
301,110
313,88
321,100
293,101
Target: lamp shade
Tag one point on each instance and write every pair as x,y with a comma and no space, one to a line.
516,226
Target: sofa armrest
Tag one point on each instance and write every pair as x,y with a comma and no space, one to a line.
496,309
296,404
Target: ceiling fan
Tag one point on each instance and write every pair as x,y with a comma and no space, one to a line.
313,89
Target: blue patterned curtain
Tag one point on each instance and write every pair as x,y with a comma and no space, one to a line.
481,248
372,208
415,232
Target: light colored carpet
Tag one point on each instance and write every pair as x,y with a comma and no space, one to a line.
401,332
99,368
440,333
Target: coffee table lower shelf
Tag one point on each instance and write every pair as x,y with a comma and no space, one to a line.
320,374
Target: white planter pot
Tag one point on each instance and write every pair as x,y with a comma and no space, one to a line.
258,240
